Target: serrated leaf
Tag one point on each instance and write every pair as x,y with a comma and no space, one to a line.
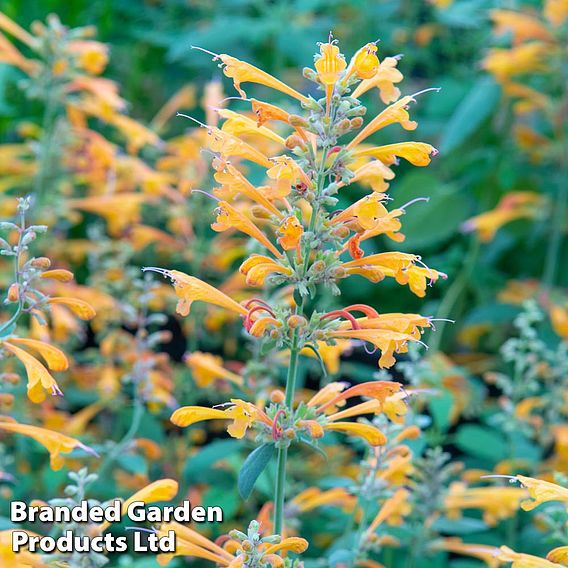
254,465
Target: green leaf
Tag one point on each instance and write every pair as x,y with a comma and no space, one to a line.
481,442
254,465
470,114
440,407
461,526
197,467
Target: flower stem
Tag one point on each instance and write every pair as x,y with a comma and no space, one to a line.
283,452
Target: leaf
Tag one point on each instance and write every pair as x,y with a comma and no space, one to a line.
481,442
254,465
461,526
197,467
469,115
431,223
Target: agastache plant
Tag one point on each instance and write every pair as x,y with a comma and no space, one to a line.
307,244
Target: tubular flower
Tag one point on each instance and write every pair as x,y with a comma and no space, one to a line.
329,64
541,492
497,503
234,182
286,172
395,113
559,554
400,266
373,174
364,64
333,394
487,554
314,497
23,559
507,63
190,289
417,153
207,368
243,415
514,205
290,231
242,72
392,506
238,124
54,442
233,554
160,490
39,378
229,218
257,268
365,213
384,79
372,435
520,560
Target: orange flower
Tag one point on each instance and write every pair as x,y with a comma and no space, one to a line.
541,492
329,64
257,268
242,72
54,442
384,79
229,218
291,231
417,153
207,368
242,414
190,289
364,64
39,378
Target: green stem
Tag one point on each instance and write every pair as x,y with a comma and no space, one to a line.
128,437
283,452
553,251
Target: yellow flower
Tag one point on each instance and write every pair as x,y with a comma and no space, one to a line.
238,124
290,231
364,64
313,497
11,559
54,442
234,182
514,205
242,72
522,26
505,63
257,267
417,153
329,64
190,289
397,112
497,503
39,378
485,553
384,79
207,368
286,172
556,11
541,492
242,414
160,490
520,560
230,218
559,554
369,433
229,145
373,174
80,308
392,506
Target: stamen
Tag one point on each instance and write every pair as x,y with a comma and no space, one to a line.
164,272
191,118
143,529
437,89
277,432
235,99
215,55
211,196
367,310
415,200
443,319
345,314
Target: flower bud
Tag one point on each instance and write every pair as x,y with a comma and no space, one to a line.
247,545
339,272
13,293
289,433
277,396
274,334
356,122
295,321
10,378
341,232
318,266
309,74
260,212
294,141
41,262
298,121
6,401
